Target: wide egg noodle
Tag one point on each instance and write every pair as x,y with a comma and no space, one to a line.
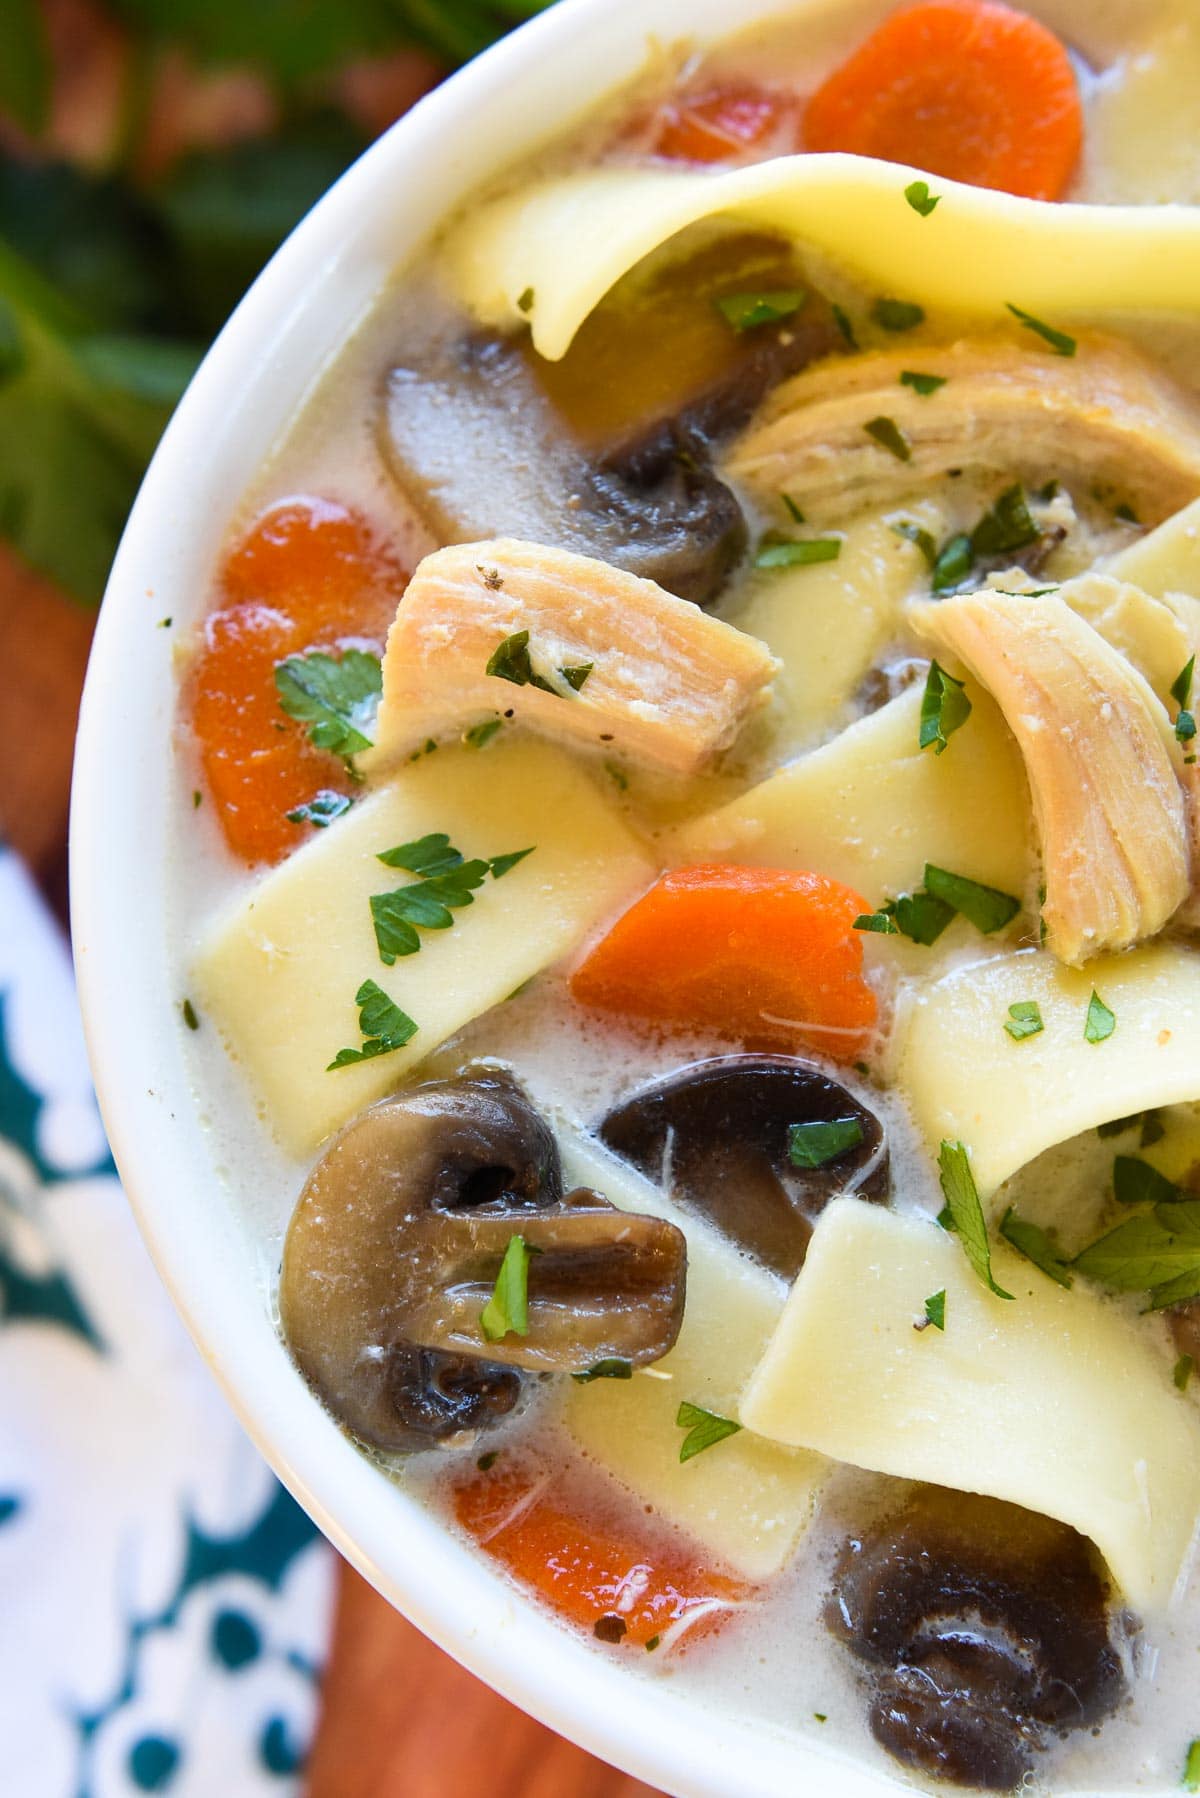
966,1079
1054,1400
748,1503
870,807
567,240
279,972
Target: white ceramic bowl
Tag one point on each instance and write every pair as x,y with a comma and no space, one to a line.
528,88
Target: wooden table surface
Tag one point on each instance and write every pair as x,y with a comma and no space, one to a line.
400,1719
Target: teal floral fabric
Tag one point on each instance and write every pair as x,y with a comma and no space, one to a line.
164,1605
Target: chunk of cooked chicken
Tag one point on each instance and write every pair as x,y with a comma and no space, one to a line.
1105,417
1098,750
570,648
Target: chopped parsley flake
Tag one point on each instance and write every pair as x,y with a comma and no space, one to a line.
792,509
337,699
841,319
486,1462
822,1140
510,661
935,1309
1181,693
704,1429
747,311
888,434
944,708
525,300
897,315
966,1212
1183,1371
652,1643
880,923
920,199
1007,526
1135,1182
507,1311
479,735
1191,1768
1024,1019
922,384
383,1025
447,883
985,907
1059,342
576,676
1156,1252
612,1368
953,563
1033,1242
778,551
1100,1021
321,809
916,533
190,1017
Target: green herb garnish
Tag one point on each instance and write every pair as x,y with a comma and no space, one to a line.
190,1017
486,1462
611,1368
510,661
507,1311
747,311
704,1429
888,434
576,676
1157,1252
321,809
778,551
920,199
1191,1768
985,907
1181,693
944,708
447,883
897,315
1100,1021
383,1025
916,533
1024,1019
1033,1242
337,699
821,1141
841,319
478,735
525,300
880,923
1059,342
966,1212
1007,526
1183,1371
1135,1182
792,509
935,1309
922,384
953,563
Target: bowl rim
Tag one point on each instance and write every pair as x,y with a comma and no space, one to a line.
254,378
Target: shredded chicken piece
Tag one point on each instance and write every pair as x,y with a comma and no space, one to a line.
611,660
1106,418
1100,756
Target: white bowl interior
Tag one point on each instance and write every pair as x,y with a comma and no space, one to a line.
528,88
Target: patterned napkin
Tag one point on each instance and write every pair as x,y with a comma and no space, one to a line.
164,1605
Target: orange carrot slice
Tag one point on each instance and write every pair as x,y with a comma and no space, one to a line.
726,122
308,575
765,955
969,89
626,1587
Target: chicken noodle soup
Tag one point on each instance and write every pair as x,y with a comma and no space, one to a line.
691,857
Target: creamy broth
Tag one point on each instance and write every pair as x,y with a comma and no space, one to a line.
771,1659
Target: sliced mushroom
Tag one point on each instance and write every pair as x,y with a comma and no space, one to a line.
1106,418
1097,746
985,1625
394,1248
716,1136
610,661
607,452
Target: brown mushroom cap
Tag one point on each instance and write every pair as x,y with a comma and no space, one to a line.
716,1133
985,1625
394,1248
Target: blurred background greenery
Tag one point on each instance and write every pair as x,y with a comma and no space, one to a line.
153,153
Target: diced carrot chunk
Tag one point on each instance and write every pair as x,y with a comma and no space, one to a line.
586,1573
969,89
726,122
765,955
